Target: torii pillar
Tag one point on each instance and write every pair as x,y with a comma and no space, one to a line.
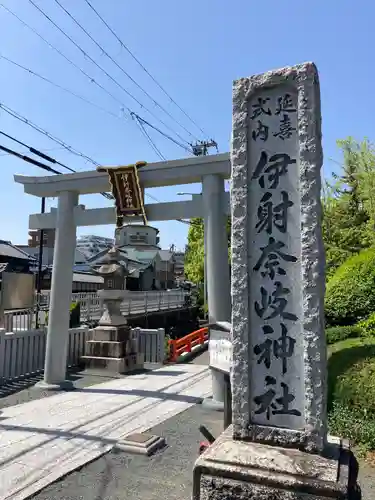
217,269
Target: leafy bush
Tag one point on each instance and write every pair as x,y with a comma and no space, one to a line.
75,315
367,326
337,333
352,424
351,391
350,294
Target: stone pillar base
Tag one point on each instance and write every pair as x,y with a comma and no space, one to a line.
213,404
117,366
64,385
242,470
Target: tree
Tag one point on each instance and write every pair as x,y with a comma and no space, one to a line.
346,213
194,257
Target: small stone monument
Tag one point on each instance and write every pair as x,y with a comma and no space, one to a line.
111,347
277,446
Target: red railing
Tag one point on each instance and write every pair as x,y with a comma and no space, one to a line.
186,344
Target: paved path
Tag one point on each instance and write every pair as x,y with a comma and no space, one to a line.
123,476
43,440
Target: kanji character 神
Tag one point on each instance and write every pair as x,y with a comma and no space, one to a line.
282,348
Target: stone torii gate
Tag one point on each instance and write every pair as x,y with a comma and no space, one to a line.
213,206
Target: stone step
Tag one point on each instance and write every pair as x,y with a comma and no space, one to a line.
106,349
111,333
129,363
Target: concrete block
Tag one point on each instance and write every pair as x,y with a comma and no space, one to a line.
127,364
242,470
106,349
111,333
140,443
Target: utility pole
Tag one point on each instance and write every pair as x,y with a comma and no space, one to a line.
200,148
40,262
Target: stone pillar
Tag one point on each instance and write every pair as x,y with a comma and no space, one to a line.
61,295
217,269
277,447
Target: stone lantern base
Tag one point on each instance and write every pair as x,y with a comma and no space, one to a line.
112,349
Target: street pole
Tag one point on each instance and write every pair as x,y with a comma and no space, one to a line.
40,262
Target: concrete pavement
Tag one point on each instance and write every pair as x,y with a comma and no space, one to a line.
43,440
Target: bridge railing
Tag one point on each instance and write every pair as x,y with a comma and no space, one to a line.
92,308
187,344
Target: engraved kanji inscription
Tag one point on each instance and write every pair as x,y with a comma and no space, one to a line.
270,259
269,403
261,107
261,132
274,304
272,169
265,351
270,215
281,348
285,104
286,129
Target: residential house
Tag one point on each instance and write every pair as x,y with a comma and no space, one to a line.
13,259
140,274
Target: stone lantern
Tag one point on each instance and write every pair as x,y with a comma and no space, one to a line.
111,347
112,271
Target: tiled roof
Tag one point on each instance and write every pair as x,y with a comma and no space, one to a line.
9,250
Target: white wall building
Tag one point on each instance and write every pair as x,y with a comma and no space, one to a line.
138,236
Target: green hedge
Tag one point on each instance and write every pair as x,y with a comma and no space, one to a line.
351,391
350,294
337,333
367,326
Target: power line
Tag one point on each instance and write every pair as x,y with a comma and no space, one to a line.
29,160
153,145
57,85
91,79
33,73
143,67
123,71
28,122
160,132
36,152
104,71
38,163
42,150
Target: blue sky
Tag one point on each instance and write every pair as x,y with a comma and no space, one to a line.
194,49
